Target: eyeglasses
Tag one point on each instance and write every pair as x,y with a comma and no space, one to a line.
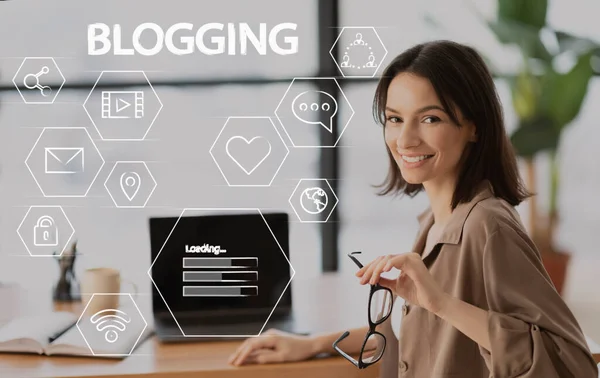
380,308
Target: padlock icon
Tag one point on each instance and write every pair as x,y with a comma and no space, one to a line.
45,232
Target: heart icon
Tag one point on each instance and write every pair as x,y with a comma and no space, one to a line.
251,152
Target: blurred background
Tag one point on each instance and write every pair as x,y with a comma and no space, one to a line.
543,55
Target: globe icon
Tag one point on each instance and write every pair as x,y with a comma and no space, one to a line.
314,200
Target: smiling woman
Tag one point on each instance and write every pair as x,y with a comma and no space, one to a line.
478,302
434,105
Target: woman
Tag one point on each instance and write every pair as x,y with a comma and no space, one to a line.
478,302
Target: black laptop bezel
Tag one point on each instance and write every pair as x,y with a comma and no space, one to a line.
161,311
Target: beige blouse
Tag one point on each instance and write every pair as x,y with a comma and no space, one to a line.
484,257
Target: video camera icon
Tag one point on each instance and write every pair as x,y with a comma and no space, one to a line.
122,104
123,115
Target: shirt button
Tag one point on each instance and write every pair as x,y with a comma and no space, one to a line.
404,310
403,366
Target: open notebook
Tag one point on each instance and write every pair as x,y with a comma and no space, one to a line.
55,333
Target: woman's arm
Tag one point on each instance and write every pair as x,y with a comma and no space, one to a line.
526,330
531,330
469,319
278,346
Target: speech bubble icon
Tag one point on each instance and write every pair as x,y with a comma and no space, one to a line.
314,106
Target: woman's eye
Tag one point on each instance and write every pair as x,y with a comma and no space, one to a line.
393,119
431,119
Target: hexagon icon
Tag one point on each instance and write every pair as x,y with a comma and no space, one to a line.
304,109
249,151
130,184
110,322
360,51
313,200
45,231
38,80
247,270
64,162
126,114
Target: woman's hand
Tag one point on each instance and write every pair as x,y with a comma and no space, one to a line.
415,284
274,346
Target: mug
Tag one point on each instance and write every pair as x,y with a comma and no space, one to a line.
102,282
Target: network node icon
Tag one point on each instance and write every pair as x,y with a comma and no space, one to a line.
39,80
360,51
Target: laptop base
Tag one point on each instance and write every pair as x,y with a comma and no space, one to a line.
167,331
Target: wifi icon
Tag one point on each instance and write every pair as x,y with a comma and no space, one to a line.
112,321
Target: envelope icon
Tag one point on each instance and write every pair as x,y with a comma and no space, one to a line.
64,160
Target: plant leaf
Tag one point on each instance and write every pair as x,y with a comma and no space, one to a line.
526,12
525,94
522,35
532,137
563,94
577,45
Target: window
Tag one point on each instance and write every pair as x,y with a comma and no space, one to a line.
198,92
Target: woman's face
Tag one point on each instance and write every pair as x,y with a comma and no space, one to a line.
421,136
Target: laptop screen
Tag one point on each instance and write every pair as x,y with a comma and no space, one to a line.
220,264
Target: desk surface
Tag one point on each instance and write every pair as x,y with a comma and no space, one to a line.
326,303
186,360
323,305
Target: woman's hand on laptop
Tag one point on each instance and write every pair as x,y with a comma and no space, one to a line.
273,346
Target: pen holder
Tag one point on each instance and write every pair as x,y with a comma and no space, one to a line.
66,288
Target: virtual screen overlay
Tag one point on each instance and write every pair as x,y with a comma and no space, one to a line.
214,265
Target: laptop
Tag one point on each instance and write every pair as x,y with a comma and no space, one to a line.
222,276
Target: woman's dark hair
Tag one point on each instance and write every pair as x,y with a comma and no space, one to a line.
461,81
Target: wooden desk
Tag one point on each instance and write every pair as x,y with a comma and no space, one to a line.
187,360
324,304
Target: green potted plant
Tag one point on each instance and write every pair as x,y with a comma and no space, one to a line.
546,98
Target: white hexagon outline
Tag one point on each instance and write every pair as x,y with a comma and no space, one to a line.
45,206
59,88
112,354
151,123
345,98
65,195
337,39
131,206
332,192
223,209
287,151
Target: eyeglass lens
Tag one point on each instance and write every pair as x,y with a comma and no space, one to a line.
381,305
373,349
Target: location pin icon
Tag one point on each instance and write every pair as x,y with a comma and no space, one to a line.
130,184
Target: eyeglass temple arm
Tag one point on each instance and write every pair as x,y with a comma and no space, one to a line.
358,263
341,352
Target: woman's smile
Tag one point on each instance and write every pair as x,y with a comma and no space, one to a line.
414,161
